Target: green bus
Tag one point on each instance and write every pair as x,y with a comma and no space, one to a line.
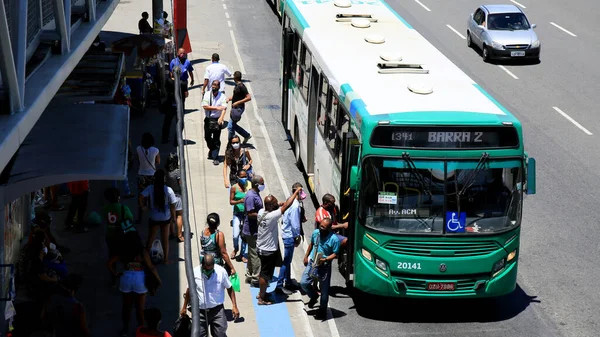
429,169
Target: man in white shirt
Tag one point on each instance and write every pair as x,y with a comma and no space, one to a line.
267,241
215,71
211,282
214,103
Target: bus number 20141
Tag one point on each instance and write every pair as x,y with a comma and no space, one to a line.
408,265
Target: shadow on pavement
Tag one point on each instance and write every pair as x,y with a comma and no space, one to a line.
444,311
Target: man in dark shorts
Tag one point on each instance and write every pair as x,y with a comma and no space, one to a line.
267,241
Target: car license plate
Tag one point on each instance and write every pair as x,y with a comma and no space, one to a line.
441,286
517,53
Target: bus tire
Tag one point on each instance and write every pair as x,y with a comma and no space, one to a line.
297,147
362,302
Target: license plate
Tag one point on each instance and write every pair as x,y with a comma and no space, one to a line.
517,53
441,286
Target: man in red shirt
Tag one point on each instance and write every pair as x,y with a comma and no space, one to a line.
328,210
79,198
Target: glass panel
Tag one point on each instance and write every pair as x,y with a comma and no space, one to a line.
324,90
296,43
334,109
307,59
490,198
305,83
399,200
294,68
47,12
33,20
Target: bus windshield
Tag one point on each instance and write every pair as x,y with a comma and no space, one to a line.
404,196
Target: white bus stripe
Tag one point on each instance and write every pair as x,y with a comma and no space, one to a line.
518,4
509,72
420,3
457,32
572,121
564,30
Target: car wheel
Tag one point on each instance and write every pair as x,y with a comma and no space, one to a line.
469,42
485,53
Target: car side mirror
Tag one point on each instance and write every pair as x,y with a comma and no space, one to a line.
481,26
533,26
531,176
353,178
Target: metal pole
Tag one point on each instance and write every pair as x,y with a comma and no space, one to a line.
189,266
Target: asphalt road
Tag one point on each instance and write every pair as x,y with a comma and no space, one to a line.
558,262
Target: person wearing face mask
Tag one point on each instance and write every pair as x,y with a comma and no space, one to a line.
252,204
187,69
237,193
236,159
267,242
329,210
211,282
214,104
322,250
291,237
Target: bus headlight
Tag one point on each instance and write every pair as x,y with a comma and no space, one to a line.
366,254
498,267
381,264
511,255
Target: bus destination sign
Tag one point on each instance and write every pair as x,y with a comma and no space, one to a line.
445,137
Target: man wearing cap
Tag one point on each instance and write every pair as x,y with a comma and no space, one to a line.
290,235
211,281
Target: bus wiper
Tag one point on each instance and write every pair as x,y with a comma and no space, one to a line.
413,172
471,178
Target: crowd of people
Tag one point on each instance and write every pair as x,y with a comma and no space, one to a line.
266,232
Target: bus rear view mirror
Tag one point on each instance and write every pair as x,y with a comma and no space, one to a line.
353,177
531,176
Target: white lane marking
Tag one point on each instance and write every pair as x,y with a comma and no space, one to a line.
572,121
420,3
457,32
224,6
284,187
518,4
564,30
508,72
229,23
227,15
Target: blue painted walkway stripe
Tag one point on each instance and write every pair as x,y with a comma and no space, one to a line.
272,320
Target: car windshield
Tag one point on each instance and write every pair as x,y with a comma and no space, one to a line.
508,21
404,196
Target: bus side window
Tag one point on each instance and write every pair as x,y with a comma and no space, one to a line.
306,60
343,128
322,113
295,64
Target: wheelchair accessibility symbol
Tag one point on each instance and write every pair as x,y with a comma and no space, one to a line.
455,222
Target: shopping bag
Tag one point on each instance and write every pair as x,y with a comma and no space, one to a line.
235,282
157,253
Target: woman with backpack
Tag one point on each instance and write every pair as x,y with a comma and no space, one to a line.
213,243
148,159
162,203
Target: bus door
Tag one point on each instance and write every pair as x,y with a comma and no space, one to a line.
350,156
313,99
286,59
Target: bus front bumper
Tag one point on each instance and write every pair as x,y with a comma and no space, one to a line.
378,282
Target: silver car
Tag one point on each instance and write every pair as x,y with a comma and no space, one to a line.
502,32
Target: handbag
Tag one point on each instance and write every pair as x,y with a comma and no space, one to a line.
183,327
236,114
213,124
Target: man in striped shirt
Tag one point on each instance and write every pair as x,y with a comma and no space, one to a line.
329,210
